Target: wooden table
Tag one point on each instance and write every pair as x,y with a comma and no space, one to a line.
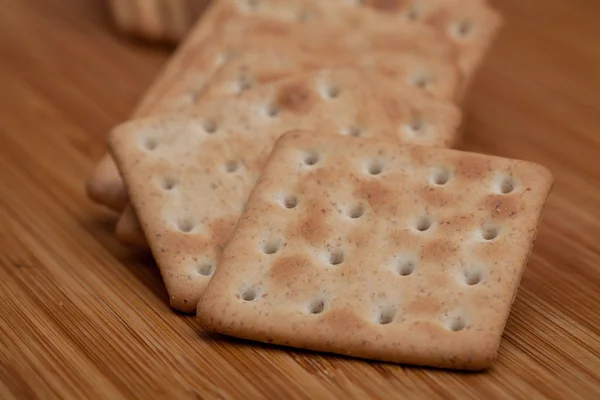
83,317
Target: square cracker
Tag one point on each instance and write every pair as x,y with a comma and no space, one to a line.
372,249
308,22
189,174
255,68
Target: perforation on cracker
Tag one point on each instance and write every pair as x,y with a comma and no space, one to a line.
210,175
416,284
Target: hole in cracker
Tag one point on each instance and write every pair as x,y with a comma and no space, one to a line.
209,127
440,176
232,166
332,91
168,183
290,201
185,225
352,130
489,232
244,82
421,81
507,185
412,14
472,277
250,294
206,268
423,223
386,315
375,167
456,324
336,257
415,127
272,110
150,143
463,29
310,158
316,306
356,211
405,266
271,246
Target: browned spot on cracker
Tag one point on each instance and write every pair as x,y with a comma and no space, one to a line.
436,197
313,227
295,97
440,250
377,195
425,305
290,269
403,238
473,167
502,206
438,20
342,320
269,27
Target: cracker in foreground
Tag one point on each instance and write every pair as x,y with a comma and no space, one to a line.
189,175
372,249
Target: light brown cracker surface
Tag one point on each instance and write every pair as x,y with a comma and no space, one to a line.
301,23
371,249
263,64
189,174
256,68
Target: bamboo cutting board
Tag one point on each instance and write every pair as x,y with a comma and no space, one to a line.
82,317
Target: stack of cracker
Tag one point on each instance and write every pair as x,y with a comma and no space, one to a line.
291,172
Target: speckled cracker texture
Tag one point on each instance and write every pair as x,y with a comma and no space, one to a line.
254,68
268,63
368,248
190,174
457,32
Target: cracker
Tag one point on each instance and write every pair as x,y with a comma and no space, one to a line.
207,49
189,174
254,68
376,250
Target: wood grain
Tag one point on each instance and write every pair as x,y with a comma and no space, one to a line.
82,317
